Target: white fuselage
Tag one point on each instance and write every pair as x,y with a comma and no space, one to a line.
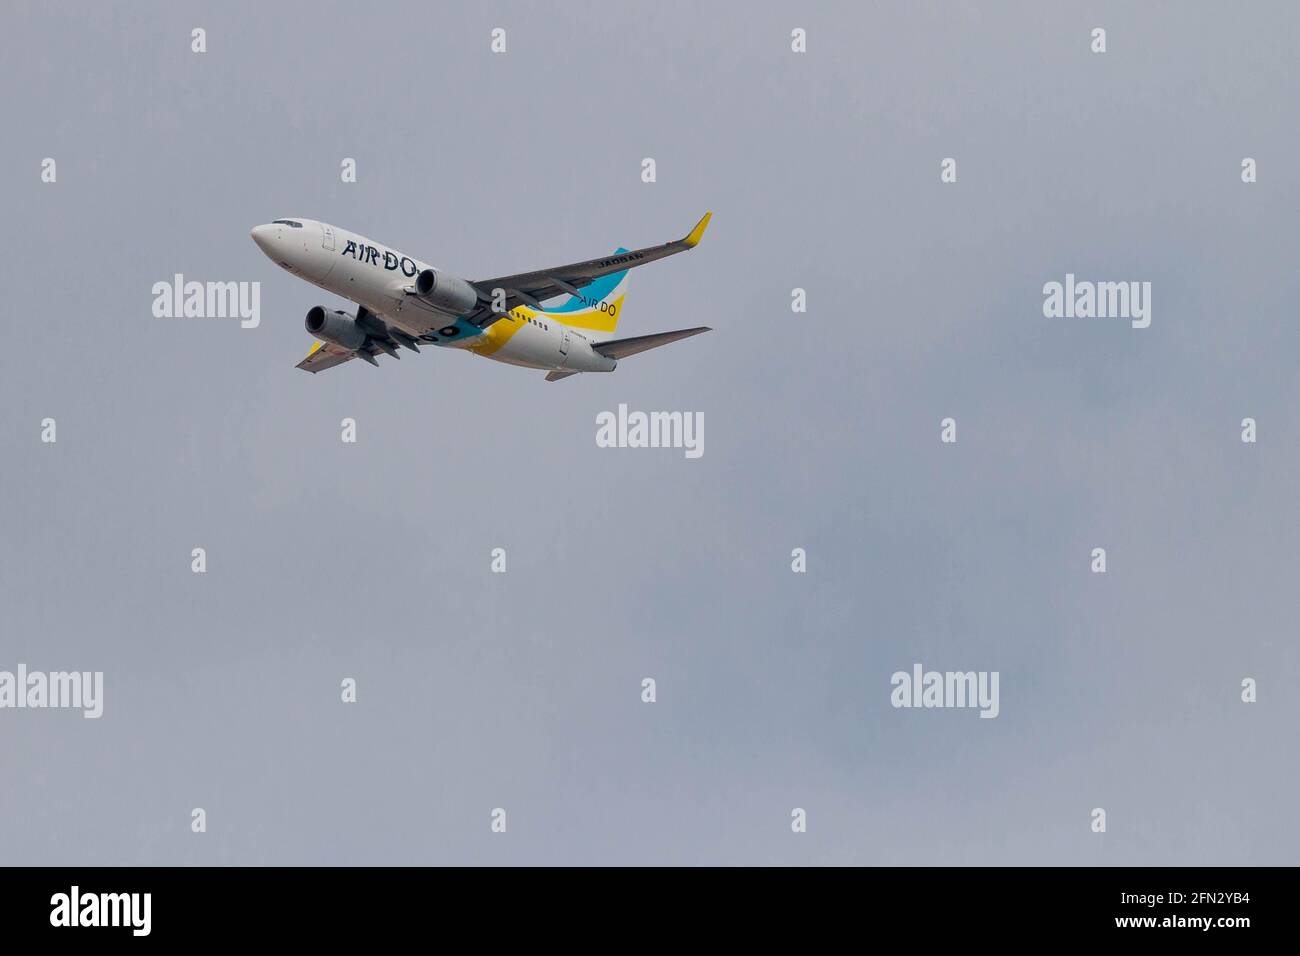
382,279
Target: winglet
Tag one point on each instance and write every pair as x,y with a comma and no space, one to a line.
306,362
697,233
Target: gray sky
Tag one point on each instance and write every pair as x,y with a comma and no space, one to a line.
522,690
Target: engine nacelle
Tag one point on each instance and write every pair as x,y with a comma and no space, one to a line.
445,292
338,328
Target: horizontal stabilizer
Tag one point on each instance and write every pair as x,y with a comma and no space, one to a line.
621,348
557,375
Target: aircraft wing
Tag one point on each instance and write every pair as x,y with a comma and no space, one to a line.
381,337
324,355
534,288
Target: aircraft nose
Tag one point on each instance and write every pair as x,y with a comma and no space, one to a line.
264,236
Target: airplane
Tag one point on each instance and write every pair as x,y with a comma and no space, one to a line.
405,303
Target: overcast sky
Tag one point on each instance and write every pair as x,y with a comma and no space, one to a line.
523,690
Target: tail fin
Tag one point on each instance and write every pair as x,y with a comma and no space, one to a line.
598,307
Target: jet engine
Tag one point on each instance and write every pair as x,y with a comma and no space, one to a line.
447,293
338,328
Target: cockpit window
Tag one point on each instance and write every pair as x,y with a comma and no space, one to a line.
287,222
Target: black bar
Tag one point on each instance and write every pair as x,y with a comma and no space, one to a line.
211,905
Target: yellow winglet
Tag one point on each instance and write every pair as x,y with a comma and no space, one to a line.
697,233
